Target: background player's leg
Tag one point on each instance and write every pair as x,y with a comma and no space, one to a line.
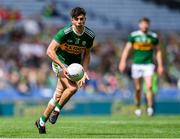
149,95
137,84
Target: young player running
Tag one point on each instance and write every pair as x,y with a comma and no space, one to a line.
71,44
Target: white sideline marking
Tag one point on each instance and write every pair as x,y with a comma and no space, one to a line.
123,122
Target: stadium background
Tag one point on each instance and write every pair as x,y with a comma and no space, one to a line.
27,81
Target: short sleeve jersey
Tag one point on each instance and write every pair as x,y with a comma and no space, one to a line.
143,46
72,45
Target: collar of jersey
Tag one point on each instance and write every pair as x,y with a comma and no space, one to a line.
78,34
142,33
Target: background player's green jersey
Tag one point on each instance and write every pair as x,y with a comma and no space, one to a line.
143,46
72,44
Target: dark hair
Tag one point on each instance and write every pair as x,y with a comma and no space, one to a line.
75,12
145,19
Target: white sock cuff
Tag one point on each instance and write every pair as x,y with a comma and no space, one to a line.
52,102
57,109
41,122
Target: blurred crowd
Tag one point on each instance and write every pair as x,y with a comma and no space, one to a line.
26,70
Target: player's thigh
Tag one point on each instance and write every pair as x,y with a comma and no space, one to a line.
148,70
148,74
72,86
148,81
60,87
63,80
136,71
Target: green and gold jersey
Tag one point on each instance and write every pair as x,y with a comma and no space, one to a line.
72,44
143,46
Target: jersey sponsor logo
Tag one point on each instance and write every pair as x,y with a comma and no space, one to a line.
70,41
73,49
77,40
143,39
83,43
143,46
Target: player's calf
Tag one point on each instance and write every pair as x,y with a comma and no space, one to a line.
55,113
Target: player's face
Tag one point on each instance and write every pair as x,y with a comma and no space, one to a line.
79,21
144,26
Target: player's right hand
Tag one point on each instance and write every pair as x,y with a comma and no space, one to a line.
160,70
81,82
122,67
65,71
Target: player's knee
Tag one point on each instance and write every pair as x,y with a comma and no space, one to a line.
73,89
57,94
138,89
149,88
57,97
52,102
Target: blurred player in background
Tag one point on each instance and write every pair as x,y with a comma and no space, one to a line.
143,44
71,44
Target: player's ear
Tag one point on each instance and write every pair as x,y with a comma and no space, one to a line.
72,20
85,18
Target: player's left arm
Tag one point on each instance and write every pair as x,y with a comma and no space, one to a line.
85,63
160,67
86,59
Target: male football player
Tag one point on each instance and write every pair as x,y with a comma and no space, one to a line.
143,44
71,44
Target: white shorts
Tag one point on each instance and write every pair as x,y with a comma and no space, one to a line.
142,70
56,68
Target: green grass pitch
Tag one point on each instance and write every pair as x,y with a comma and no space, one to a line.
121,126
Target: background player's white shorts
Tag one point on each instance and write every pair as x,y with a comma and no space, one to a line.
142,70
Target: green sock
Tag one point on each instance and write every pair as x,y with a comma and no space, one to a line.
44,118
59,106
